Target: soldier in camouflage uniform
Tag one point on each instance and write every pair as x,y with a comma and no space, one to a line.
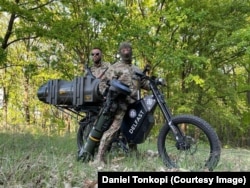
99,67
98,70
124,70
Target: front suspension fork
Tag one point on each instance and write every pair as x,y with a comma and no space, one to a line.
181,140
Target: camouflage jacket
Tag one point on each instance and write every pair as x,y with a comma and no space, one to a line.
99,72
126,74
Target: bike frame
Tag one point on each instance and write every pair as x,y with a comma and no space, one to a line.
159,97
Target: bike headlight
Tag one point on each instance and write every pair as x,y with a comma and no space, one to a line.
161,81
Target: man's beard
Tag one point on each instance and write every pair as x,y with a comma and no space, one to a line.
97,62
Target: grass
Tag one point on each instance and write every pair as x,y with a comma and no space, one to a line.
28,160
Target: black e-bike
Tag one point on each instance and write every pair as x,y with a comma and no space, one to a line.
184,141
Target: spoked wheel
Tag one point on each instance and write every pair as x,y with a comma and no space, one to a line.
199,149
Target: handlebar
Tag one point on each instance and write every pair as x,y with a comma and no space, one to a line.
157,81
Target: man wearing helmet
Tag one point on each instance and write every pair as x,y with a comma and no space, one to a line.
124,71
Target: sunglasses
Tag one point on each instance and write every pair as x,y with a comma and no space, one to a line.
96,54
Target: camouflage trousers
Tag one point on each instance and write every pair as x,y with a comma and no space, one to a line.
109,135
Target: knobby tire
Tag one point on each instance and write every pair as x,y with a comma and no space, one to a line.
202,146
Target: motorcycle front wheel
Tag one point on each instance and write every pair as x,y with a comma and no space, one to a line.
199,150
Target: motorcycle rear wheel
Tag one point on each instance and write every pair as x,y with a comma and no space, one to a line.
85,126
200,150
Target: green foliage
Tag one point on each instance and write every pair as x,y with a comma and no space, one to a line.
200,48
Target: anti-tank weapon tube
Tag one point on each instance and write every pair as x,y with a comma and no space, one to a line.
82,91
104,119
101,124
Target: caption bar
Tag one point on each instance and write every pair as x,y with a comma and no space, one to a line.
162,179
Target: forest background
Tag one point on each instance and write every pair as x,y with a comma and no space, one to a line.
201,48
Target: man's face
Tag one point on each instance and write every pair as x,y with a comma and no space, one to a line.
96,56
